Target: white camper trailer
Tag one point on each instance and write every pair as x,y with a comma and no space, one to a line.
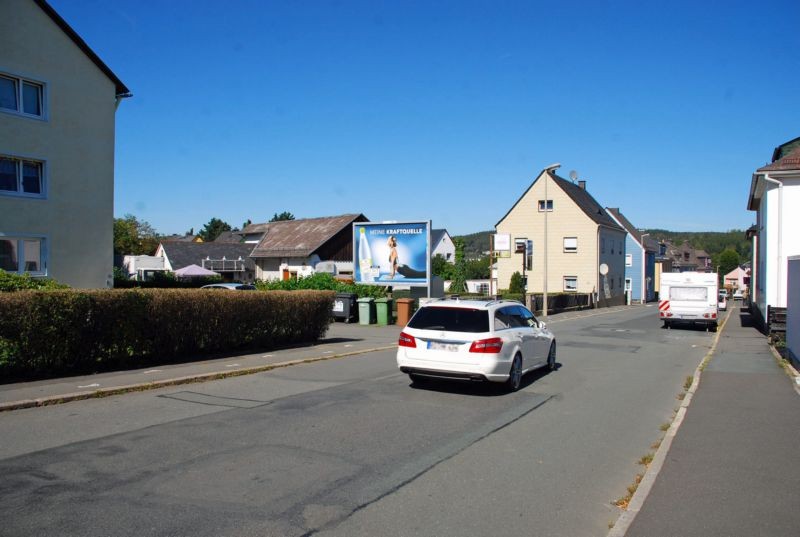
688,297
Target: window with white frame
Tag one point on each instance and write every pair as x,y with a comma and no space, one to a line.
570,284
545,206
570,244
21,254
628,260
21,96
21,176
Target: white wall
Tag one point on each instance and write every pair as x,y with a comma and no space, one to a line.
773,272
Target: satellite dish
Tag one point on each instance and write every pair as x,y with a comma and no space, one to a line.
603,269
573,175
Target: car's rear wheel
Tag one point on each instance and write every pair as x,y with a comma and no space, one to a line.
551,357
515,375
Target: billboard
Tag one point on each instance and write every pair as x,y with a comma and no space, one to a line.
397,253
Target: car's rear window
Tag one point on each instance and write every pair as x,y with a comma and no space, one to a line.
689,294
451,319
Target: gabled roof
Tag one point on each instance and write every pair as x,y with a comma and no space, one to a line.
255,228
436,236
301,238
788,162
586,202
644,240
230,237
785,148
122,89
579,196
182,254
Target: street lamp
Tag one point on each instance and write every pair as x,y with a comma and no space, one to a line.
546,172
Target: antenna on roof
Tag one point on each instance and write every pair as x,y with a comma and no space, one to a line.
573,175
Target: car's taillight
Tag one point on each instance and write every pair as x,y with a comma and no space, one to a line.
407,341
488,346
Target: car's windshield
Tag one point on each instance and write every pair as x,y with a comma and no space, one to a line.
451,319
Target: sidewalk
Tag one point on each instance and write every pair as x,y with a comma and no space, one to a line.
341,340
732,467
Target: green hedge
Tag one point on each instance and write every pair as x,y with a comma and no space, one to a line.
322,281
46,333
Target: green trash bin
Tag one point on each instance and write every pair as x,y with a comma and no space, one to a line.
366,311
383,310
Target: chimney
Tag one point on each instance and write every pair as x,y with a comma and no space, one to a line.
582,184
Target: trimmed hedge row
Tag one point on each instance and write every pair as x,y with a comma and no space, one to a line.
58,332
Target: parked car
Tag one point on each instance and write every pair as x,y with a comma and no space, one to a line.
230,286
723,300
738,295
495,340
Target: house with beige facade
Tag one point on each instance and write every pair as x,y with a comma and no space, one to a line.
574,242
57,107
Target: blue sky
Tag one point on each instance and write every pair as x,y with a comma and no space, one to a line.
446,111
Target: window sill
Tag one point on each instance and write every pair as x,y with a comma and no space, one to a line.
13,194
23,115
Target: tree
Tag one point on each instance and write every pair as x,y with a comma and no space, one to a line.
442,268
134,237
213,229
458,281
247,223
515,286
478,269
285,215
728,260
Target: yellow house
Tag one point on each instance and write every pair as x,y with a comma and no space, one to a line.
582,250
57,105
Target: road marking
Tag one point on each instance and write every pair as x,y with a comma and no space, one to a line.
327,352
152,371
232,365
95,385
347,346
268,356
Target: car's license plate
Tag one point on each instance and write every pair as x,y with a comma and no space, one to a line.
436,346
688,316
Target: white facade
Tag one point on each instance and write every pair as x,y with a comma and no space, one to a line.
137,265
777,225
444,248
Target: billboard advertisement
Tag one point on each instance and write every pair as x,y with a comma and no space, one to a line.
391,254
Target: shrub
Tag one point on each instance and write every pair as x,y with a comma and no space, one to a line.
66,331
18,282
321,281
516,286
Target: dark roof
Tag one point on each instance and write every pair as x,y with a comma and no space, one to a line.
301,238
579,196
230,236
789,161
785,148
644,240
179,238
586,202
630,228
182,254
122,89
436,236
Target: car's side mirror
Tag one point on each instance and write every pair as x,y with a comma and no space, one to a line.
542,325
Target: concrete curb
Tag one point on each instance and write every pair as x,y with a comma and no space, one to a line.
627,516
189,379
788,368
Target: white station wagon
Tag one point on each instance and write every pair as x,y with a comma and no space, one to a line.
497,340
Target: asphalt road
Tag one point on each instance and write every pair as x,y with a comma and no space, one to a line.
347,447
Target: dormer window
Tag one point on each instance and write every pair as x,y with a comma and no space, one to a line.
21,96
